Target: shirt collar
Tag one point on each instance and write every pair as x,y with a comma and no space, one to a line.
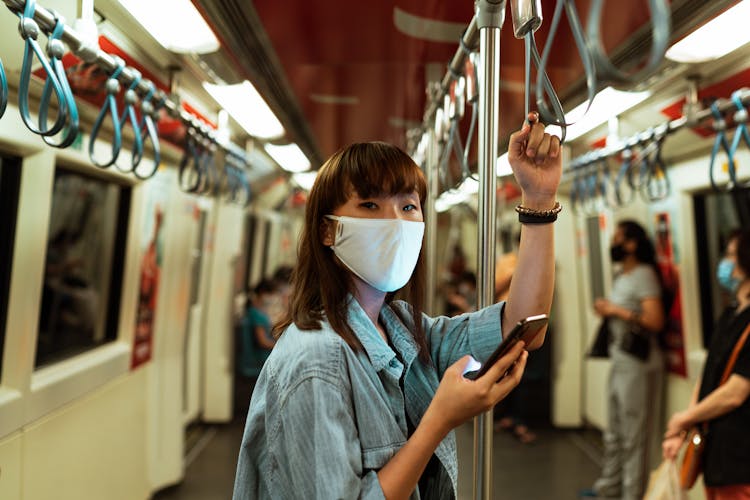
401,338
379,352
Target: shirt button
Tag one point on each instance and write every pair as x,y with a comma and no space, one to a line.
393,363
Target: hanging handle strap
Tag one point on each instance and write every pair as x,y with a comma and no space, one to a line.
147,126
55,51
29,30
3,90
720,127
128,115
661,27
109,108
741,119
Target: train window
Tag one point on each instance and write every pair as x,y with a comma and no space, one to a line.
716,215
83,271
10,180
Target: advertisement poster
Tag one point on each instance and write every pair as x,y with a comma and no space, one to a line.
673,340
152,257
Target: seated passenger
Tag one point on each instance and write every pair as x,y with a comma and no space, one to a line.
256,340
361,393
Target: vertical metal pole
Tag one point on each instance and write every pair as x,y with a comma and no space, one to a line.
431,223
490,16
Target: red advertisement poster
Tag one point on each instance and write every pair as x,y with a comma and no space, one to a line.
674,340
148,292
156,200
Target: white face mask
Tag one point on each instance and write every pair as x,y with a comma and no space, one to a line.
383,252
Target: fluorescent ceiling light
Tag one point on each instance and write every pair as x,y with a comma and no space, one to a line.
305,180
607,103
175,24
289,157
248,108
720,36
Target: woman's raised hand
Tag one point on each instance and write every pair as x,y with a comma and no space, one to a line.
458,399
536,159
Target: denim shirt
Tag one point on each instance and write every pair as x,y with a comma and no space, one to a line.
323,419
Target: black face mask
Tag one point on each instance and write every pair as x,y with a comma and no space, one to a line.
617,252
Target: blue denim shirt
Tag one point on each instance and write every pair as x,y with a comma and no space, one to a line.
324,419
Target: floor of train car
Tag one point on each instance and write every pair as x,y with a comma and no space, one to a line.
556,466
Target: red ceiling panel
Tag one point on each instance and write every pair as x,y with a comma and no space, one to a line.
354,51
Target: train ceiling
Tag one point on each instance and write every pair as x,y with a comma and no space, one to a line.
338,72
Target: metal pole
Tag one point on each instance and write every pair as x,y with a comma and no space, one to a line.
490,16
431,216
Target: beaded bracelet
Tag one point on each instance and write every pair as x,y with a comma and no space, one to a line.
531,216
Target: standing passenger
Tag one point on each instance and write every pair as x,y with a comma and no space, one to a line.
361,393
634,390
726,407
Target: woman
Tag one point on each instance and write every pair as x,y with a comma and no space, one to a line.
634,389
361,393
726,407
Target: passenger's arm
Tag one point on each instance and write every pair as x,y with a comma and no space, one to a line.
262,339
456,401
673,442
720,401
651,316
537,166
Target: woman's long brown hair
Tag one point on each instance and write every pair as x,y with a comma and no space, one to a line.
320,285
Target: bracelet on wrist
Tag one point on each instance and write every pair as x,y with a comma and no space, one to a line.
531,216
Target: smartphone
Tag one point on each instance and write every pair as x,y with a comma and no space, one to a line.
526,329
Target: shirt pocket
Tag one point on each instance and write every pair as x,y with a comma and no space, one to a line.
375,457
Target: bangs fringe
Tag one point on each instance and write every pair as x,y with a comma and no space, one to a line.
380,169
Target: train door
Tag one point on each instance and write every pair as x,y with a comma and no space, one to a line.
222,250
191,395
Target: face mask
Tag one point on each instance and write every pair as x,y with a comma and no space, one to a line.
383,252
724,275
617,253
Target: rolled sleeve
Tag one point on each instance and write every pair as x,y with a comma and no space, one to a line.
476,333
316,445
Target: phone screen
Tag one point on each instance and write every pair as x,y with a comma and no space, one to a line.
525,330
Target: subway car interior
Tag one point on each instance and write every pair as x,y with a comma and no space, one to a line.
156,160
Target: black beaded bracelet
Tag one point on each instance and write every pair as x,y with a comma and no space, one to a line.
531,216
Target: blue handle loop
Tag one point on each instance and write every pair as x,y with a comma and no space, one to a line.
56,50
657,186
608,183
128,115
246,188
741,118
149,132
661,27
208,168
3,90
232,182
29,30
591,183
625,174
556,115
189,175
109,108
720,126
